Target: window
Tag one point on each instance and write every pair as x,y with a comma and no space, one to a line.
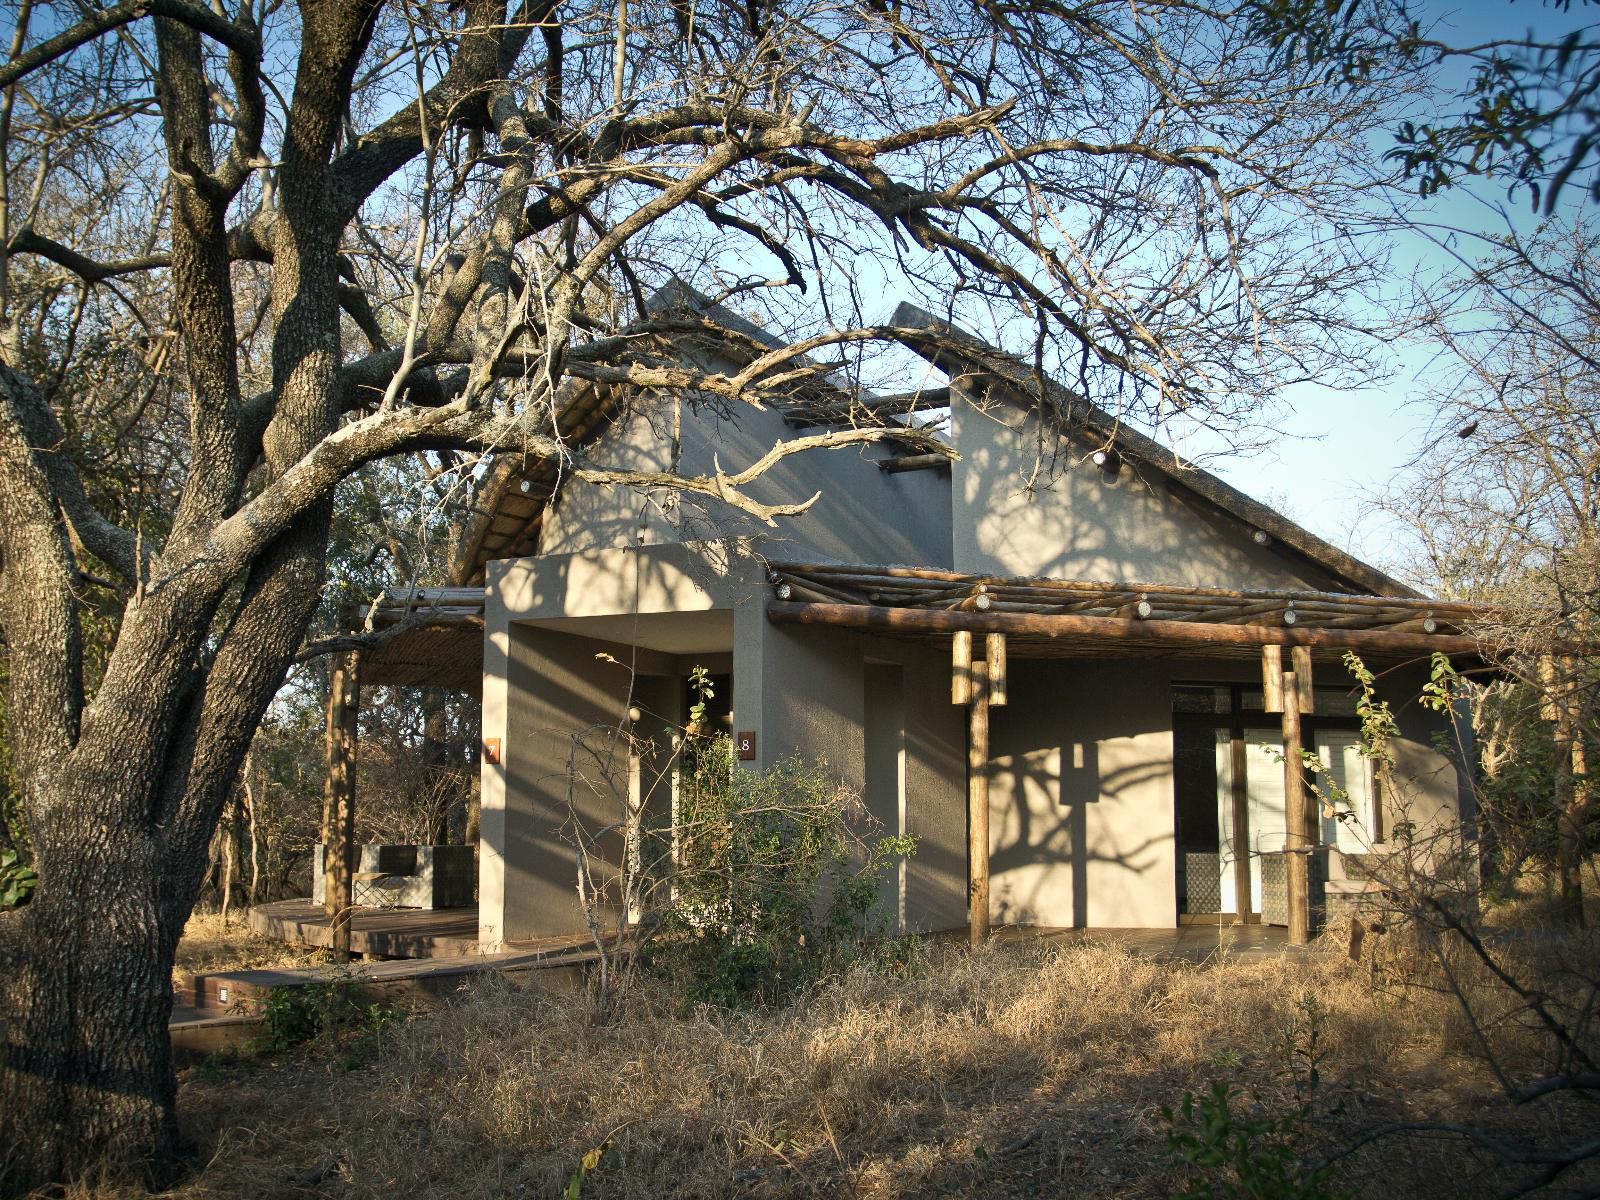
1346,781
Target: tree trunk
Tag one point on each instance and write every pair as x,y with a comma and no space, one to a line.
88,974
1572,823
249,800
232,838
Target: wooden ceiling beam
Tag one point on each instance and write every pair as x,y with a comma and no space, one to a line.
1111,630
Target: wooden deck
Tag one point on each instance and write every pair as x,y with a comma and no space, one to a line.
377,932
221,1011
241,991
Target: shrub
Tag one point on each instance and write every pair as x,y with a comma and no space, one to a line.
292,1016
17,880
776,879
1224,1151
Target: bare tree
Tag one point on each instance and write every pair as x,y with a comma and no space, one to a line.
265,245
1529,998
1505,497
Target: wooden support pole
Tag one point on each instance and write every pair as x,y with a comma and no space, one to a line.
1305,693
978,806
961,667
1272,679
1296,844
1241,829
339,798
994,646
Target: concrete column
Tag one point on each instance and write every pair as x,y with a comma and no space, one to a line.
495,748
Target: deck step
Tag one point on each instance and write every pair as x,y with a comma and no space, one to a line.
414,980
197,1034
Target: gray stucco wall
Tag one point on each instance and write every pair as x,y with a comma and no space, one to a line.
1012,504
590,516
547,696
1023,508
804,690
1082,813
1080,796
565,763
861,515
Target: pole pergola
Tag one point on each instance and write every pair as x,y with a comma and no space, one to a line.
1048,618
416,637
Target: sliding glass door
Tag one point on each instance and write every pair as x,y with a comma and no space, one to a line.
1228,791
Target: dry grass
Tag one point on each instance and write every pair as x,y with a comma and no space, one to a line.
1020,1071
1531,900
209,945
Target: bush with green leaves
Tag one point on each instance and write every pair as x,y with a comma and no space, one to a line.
776,880
17,880
329,1008
1226,1146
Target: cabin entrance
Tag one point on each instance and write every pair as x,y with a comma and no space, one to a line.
1228,789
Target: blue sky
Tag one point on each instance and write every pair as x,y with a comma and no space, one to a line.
1339,448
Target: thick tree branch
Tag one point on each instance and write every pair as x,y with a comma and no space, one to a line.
37,609
28,241
236,38
110,543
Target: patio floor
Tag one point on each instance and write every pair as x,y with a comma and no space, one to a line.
1190,943
451,932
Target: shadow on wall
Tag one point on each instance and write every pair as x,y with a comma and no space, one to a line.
814,701
862,514
1021,514
643,582
593,516
1048,848
1081,813
566,704
568,768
